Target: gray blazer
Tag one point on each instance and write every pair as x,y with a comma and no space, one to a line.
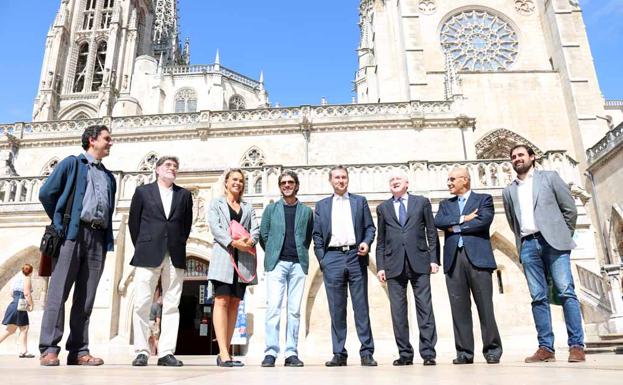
221,268
555,213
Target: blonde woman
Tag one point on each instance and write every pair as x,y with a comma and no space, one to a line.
233,264
21,287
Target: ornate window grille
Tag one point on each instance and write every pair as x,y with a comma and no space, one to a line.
237,102
254,157
478,40
81,67
186,100
100,61
49,167
149,162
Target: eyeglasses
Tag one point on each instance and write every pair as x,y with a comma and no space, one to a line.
452,178
285,182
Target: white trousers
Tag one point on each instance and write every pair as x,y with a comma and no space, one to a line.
145,282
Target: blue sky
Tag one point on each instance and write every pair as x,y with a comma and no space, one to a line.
305,48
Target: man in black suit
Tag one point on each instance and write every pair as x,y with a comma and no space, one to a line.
161,216
469,263
406,251
343,232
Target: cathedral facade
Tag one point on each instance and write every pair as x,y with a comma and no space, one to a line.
440,83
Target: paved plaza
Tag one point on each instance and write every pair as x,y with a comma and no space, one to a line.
599,369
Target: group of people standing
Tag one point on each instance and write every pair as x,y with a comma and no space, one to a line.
539,207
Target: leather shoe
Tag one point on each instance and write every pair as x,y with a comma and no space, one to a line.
337,360
462,360
85,360
49,359
402,361
169,360
576,354
430,361
293,361
268,361
140,360
224,364
491,359
368,361
541,355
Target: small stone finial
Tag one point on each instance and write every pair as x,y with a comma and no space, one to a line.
217,58
323,101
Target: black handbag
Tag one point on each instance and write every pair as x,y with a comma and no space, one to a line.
52,239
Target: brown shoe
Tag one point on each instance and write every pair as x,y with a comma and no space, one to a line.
49,359
541,355
576,354
86,360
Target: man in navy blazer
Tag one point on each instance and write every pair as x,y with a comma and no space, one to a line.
343,233
469,263
160,220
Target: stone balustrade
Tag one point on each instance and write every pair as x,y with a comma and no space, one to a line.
283,115
210,69
424,177
595,286
607,143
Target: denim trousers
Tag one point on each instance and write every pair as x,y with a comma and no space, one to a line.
539,260
286,277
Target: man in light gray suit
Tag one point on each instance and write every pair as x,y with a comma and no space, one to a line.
542,214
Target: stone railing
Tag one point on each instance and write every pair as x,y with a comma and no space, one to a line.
210,69
20,189
595,286
364,178
607,143
614,103
181,121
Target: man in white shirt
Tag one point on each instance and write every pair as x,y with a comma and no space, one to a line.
343,233
541,212
160,220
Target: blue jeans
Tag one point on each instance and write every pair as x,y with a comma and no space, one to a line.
290,276
540,259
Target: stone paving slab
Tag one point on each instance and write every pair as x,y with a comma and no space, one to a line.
602,369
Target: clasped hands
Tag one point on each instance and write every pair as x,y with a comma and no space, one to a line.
243,244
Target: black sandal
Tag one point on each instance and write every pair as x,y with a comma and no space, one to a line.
26,355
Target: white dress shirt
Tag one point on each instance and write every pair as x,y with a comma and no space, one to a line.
405,201
166,194
526,204
342,229
457,228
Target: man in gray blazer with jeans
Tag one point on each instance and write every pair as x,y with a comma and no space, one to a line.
542,214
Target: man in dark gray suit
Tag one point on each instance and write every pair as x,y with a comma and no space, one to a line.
542,214
406,251
343,232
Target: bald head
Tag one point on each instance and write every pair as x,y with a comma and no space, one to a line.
458,181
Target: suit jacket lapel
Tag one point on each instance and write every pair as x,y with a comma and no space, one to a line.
353,208
515,201
155,193
246,211
389,206
410,208
175,200
469,205
222,205
328,219
536,186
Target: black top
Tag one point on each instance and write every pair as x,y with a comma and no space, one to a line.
288,251
233,215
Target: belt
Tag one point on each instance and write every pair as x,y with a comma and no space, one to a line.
92,225
343,249
528,237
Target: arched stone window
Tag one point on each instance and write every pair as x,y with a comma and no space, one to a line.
237,102
257,186
497,145
81,67
81,115
479,40
149,162
186,100
254,157
98,70
49,167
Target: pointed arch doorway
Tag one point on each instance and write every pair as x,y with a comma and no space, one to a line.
196,334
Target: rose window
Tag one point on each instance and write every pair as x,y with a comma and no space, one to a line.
477,40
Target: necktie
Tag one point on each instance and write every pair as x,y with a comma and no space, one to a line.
461,207
402,212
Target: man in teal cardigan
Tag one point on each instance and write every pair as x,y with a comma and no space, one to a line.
285,236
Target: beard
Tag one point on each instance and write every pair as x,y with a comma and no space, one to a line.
522,168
